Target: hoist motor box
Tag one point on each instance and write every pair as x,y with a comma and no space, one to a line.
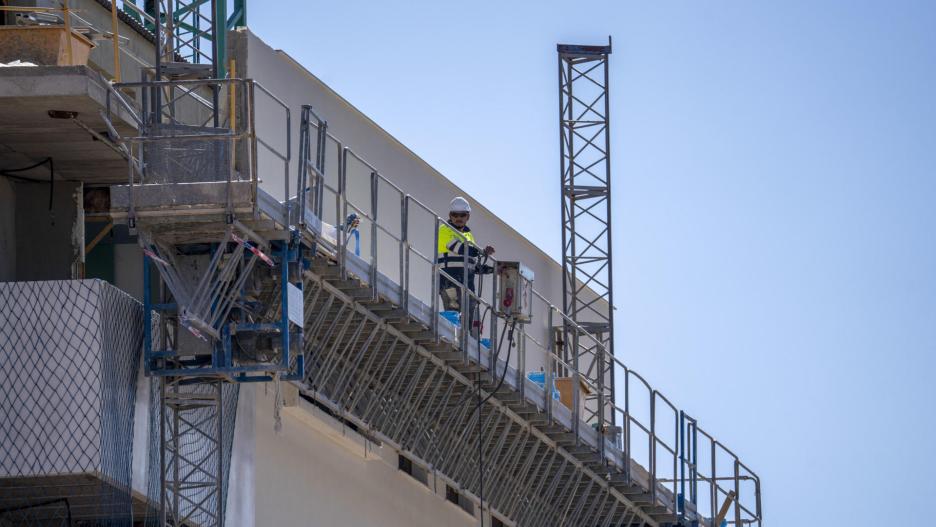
514,291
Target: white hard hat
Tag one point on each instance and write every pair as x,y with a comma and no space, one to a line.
459,204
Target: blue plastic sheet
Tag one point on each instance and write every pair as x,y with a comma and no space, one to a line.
539,378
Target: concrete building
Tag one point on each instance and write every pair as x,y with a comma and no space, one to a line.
371,432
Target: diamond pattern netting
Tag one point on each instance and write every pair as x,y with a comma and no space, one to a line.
173,161
69,356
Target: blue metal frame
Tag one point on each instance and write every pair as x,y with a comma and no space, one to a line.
221,360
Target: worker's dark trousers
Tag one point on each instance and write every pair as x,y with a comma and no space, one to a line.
450,291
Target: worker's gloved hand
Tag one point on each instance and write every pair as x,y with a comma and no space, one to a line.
488,250
484,269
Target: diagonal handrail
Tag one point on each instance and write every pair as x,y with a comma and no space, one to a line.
670,455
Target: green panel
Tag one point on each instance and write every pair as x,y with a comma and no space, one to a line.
239,16
220,22
99,263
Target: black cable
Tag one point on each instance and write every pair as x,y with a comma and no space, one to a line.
30,167
506,362
475,310
7,172
480,453
480,406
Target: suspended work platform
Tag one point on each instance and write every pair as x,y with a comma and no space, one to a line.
372,346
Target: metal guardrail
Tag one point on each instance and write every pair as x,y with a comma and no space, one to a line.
654,433
199,125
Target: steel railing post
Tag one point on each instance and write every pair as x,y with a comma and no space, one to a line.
321,141
131,208
681,448
550,367
602,426
757,499
521,363
301,180
464,310
434,286
494,350
675,451
737,490
651,440
714,484
372,278
286,164
625,431
252,147
341,211
694,467
232,157
404,252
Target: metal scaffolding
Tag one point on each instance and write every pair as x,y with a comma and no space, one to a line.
373,347
191,34
217,278
242,287
194,449
585,161
370,343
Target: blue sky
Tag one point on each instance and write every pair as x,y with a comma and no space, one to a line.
773,173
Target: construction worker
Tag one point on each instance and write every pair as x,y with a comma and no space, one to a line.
454,239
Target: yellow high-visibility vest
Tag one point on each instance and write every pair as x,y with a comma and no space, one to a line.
452,246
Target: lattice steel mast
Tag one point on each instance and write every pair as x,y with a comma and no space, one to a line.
585,161
222,319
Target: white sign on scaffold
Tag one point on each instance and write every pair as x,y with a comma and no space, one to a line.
294,301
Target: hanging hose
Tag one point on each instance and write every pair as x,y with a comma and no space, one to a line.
480,402
506,362
486,399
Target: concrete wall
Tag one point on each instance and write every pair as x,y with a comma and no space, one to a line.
296,86
309,474
128,269
7,230
38,436
44,248
134,47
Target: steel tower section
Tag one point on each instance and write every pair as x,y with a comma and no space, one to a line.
191,34
214,318
585,161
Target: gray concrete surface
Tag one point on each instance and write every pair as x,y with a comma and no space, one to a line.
28,134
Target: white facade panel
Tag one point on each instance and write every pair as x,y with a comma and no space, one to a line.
304,475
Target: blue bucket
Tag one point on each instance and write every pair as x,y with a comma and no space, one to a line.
452,316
